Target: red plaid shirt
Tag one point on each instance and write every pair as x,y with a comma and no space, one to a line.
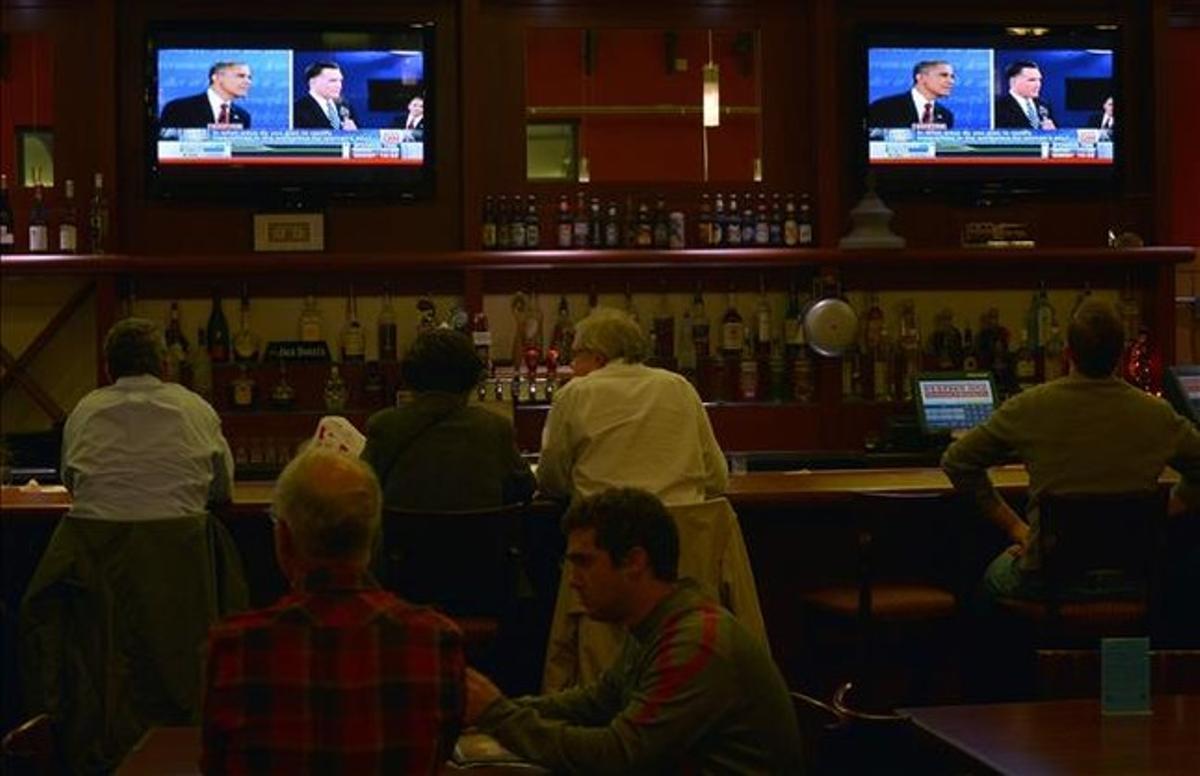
339,676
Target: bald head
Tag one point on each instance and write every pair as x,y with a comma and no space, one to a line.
331,503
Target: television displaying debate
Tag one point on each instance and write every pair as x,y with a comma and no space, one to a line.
290,106
990,105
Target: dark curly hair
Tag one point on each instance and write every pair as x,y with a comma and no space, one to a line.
441,360
624,518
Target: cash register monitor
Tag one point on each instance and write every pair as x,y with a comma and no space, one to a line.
1182,388
953,402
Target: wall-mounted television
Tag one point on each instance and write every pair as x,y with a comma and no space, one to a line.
1031,105
290,112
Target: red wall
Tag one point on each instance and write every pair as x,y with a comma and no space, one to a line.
1184,89
26,93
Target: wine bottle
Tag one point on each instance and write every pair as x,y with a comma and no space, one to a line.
39,228
98,217
8,237
386,327
68,227
218,331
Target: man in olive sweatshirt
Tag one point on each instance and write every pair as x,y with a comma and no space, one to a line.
692,691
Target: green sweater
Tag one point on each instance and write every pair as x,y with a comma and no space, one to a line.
692,690
1078,435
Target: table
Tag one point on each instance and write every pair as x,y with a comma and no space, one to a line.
175,751
1070,736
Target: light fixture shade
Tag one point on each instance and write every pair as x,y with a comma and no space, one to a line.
585,171
711,76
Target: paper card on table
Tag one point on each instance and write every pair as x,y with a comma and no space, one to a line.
1125,676
337,433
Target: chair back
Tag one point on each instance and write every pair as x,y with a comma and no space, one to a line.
29,748
465,563
821,731
873,742
908,536
1084,534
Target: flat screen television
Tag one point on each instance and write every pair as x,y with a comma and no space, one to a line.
1181,386
991,104
290,112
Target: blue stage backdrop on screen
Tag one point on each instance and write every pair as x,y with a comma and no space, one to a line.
184,72
1090,71
889,71
398,76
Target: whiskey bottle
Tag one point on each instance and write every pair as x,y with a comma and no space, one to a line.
242,390
311,324
68,227
732,328
533,225
8,237
201,363
748,372
246,342
804,223
488,237
283,395
218,331
98,218
39,228
354,340
565,224
335,392
385,328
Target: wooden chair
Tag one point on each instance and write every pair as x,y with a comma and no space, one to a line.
1089,537
29,748
908,583
872,743
821,729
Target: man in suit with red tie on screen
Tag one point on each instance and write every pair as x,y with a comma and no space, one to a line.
227,81
933,79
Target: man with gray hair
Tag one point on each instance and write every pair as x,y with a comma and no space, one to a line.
621,423
339,675
1087,432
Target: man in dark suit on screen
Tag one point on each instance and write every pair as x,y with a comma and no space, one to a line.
933,79
414,119
323,106
227,81
1023,107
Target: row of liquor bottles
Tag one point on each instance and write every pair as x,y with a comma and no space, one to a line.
516,222
57,227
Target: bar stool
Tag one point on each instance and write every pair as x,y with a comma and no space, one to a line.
907,589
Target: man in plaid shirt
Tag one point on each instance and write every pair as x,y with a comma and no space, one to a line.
338,675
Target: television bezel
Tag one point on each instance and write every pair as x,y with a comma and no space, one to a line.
900,181
285,186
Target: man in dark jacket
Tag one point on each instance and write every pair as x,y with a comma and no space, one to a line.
932,80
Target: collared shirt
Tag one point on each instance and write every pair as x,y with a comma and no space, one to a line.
328,107
1028,107
920,102
1078,434
338,676
630,425
143,449
215,101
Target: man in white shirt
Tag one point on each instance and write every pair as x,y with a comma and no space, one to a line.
323,106
620,423
227,81
1022,107
933,80
143,449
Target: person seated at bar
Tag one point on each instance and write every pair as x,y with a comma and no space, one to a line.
338,675
1088,432
692,690
438,452
114,619
619,422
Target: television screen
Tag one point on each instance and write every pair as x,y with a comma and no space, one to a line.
984,99
1182,389
953,402
292,108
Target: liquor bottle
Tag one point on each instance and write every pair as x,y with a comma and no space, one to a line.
283,395
733,224
202,381
762,222
68,227
804,223
98,218
246,342
426,313
242,389
747,389
970,358
748,221
565,227
8,237
804,385
1053,355
793,323
1026,364
39,228
311,321
218,331
595,224
909,343
612,227
873,324
481,336
662,230
373,390
704,223
662,329
776,228
700,326
177,346
853,369
533,225
791,228
516,225
503,233
645,227
717,228
335,392
732,328
385,327
883,373
579,233
564,333
354,339
764,324
489,223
